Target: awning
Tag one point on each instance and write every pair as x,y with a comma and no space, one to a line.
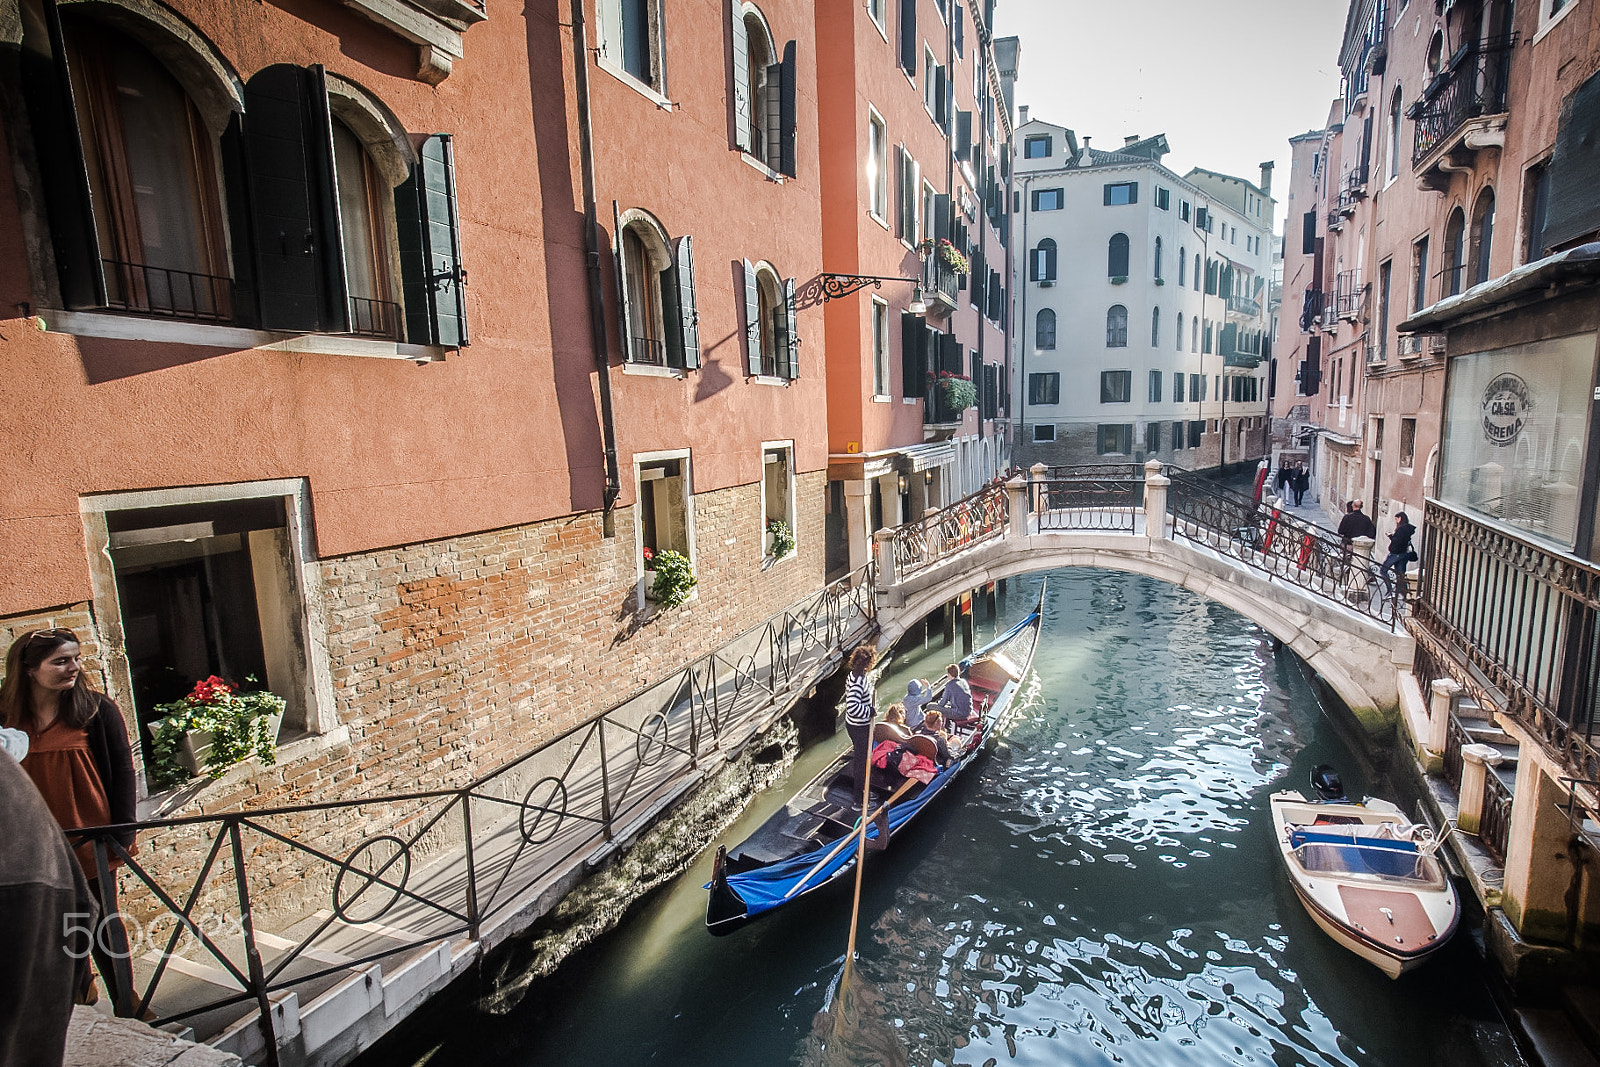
1574,266
914,459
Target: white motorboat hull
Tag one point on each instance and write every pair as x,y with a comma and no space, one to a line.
1394,923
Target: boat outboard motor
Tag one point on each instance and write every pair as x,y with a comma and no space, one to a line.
1327,784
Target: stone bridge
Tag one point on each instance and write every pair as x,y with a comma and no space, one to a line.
1291,579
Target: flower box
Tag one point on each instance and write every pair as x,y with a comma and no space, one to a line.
212,729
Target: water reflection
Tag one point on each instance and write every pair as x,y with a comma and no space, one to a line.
1102,888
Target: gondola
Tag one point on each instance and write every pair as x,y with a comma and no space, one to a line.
802,847
1366,874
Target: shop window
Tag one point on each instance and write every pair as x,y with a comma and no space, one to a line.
777,499
665,518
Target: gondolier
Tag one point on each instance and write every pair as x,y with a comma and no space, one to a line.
858,711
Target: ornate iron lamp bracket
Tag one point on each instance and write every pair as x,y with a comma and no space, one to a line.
829,286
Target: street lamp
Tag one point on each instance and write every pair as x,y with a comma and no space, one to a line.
830,286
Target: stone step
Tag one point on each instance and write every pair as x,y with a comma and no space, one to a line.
1555,1039
1582,1004
1487,732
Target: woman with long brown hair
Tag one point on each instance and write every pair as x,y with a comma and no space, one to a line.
80,760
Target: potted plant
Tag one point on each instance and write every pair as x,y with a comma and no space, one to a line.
213,728
948,254
672,579
782,538
959,392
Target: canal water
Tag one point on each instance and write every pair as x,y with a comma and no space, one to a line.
1101,887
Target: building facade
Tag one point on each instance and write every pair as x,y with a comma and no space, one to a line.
1142,305
916,123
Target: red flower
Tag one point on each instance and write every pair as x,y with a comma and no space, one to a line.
648,555
209,689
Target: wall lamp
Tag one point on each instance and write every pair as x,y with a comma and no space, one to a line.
834,286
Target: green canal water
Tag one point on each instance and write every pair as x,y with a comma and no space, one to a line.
1101,887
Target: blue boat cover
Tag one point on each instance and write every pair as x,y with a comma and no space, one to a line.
1312,837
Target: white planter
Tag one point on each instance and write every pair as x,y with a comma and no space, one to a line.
196,747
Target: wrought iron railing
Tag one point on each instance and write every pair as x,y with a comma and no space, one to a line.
1475,85
970,521
374,318
1280,545
1108,497
172,294
1518,624
652,351
397,873
1455,738
1494,826
1312,302
1350,294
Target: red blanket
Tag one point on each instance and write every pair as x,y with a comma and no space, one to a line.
910,764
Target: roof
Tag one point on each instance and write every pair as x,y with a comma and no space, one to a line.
1580,265
1252,186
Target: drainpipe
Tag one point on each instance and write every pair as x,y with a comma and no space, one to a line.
592,255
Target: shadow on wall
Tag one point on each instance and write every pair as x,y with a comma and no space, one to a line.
566,280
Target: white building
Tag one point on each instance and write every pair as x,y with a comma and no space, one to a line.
1141,304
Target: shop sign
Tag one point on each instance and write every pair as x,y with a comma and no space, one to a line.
1506,401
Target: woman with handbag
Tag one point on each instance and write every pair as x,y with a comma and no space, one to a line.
80,760
1400,552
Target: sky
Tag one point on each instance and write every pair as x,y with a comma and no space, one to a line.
1228,81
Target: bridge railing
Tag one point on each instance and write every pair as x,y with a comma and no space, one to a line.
1109,497
970,521
1272,541
380,877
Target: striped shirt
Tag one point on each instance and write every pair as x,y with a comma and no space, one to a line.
858,702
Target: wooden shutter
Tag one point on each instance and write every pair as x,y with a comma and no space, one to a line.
1573,204
752,321
741,79
624,304
913,354
791,329
69,202
961,29
688,308
991,391
941,216
786,112
963,132
436,308
908,36
994,294
289,167
941,96
979,278
900,192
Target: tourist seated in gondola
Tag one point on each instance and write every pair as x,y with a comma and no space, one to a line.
893,727
919,694
956,702
933,728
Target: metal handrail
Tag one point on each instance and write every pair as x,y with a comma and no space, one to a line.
539,811
166,292
1474,85
1090,501
970,521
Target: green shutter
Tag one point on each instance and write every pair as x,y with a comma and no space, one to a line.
741,78
752,321
688,308
791,329
913,351
786,113
430,248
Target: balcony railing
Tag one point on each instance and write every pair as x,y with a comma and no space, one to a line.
1350,295
1474,85
167,293
374,318
1518,624
1352,190
647,350
1311,307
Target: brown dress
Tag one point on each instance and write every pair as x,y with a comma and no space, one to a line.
62,767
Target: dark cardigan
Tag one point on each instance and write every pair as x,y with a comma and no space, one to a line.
113,758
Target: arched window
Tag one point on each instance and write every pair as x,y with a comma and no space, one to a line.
1455,252
770,295
152,172
1396,110
1177,335
1197,272
1117,256
763,92
365,229
1194,334
1044,330
1183,262
1482,238
771,343
1155,327
1156,272
645,262
1042,267
1117,327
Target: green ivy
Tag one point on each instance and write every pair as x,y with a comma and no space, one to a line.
674,578
782,538
240,725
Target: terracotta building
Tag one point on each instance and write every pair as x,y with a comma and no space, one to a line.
373,356
915,120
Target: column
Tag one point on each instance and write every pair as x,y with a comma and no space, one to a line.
858,521
1039,472
1156,485
1020,511
883,541
1441,703
1538,868
1475,763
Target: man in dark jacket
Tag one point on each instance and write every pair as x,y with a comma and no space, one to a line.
1399,550
1356,524
47,917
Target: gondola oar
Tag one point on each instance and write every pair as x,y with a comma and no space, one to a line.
845,840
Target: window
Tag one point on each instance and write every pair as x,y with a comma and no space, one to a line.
1197,387
880,347
1177,334
910,183
1163,198
1383,310
1183,210
1183,255
1116,326
1044,388
630,39
1047,200
1535,210
1042,262
1408,443
929,219
1177,393
1177,436
1120,193
1396,110
763,93
1044,433
152,169
771,346
1116,386
1197,272
1044,330
1481,247
1037,147
1419,274
1455,253
665,518
1114,439
931,89
1156,261
1194,334
1117,257
1155,327
1155,386
1152,437
875,11
1205,345
1197,429
777,497
365,230
877,165
660,323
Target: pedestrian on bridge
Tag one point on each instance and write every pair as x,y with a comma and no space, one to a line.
1400,551
1356,524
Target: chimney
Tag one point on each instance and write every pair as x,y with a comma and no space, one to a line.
1266,178
1129,139
1083,156
1022,115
